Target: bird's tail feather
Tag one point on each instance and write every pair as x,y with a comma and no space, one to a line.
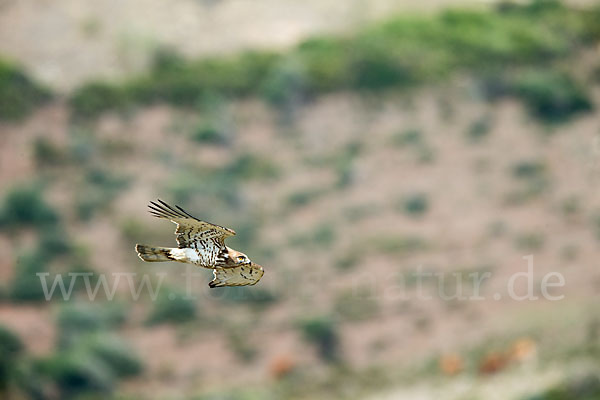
154,254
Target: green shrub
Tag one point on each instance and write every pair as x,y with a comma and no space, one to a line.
26,285
10,344
47,154
247,166
303,197
322,332
582,388
552,96
11,348
25,206
89,359
79,372
409,137
344,164
286,84
479,129
378,64
114,352
570,206
19,95
101,187
172,308
415,205
324,235
325,64
80,319
210,134
529,170
54,242
349,258
95,98
533,180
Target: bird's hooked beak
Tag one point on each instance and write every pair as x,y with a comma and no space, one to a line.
255,265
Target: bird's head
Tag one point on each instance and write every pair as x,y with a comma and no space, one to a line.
238,257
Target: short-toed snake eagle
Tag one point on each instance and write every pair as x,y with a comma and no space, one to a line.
203,244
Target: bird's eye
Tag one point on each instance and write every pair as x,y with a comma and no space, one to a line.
241,258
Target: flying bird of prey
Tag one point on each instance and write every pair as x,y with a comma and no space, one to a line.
202,243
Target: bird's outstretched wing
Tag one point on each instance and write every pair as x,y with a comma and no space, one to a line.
242,275
191,232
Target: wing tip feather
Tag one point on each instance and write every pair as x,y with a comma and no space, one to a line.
165,211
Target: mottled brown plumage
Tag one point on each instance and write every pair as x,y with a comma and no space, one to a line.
202,243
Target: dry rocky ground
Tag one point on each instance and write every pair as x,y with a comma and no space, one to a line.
479,217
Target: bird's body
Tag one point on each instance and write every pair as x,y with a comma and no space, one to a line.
202,243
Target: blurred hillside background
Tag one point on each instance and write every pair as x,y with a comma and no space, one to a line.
351,145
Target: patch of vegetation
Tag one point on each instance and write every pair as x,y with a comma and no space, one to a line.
344,164
26,286
25,206
570,206
479,129
415,205
530,241
248,166
286,85
77,373
595,74
173,307
54,242
414,139
552,96
398,245
583,388
322,332
302,198
19,94
47,154
89,359
349,258
101,187
402,52
529,170
409,137
209,133
532,176
11,348
79,319
95,98
115,353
